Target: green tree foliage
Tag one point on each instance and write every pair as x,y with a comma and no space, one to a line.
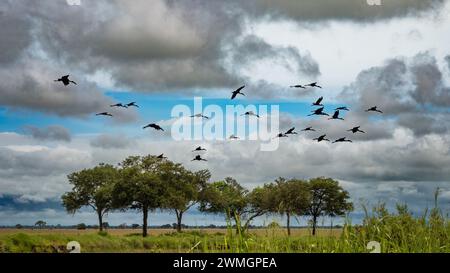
326,198
93,188
139,187
235,201
288,198
40,224
183,188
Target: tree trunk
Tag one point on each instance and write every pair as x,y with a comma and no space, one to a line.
288,223
144,222
100,220
314,225
179,218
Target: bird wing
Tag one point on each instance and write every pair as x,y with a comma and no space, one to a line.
234,95
319,100
240,88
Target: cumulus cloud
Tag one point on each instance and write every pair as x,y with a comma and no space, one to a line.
54,132
105,141
410,91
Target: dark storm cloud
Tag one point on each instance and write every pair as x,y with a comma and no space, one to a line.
410,91
15,34
164,45
351,10
54,132
19,203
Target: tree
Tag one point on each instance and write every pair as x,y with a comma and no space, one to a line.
183,188
290,197
327,198
139,186
93,188
40,224
19,226
234,200
81,226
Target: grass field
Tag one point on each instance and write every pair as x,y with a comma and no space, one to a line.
397,233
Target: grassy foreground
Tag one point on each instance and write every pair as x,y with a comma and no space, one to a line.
396,233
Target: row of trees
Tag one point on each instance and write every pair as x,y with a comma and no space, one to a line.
148,183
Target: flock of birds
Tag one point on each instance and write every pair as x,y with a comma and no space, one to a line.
316,112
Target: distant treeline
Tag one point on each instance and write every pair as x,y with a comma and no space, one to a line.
149,183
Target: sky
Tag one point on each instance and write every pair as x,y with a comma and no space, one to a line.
165,53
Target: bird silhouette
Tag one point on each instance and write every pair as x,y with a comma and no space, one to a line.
308,129
356,130
298,86
199,116
233,137
321,138
250,113
291,131
280,135
118,105
132,104
154,126
161,156
318,102
198,158
198,149
65,80
318,112
314,84
374,109
342,139
104,114
336,115
343,108
237,91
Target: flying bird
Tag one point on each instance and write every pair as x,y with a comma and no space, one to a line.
298,86
336,115
65,80
342,139
291,131
318,112
119,105
281,135
374,109
343,108
198,158
237,91
132,104
154,126
308,129
104,114
318,102
321,138
234,137
199,148
161,156
356,130
199,116
314,84
250,113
